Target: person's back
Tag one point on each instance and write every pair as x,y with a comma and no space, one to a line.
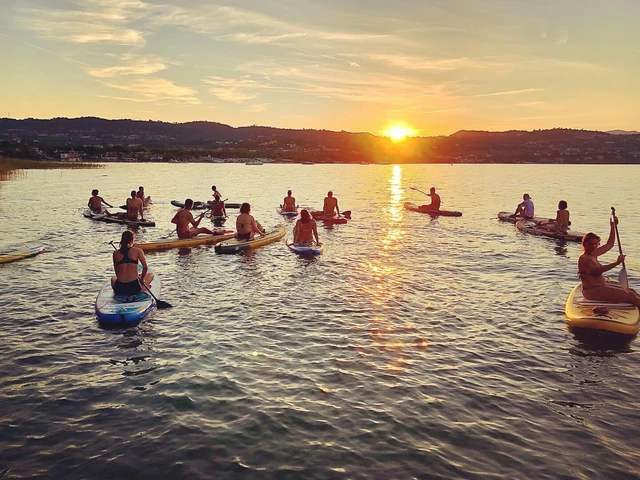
289,203
95,204
183,218
134,207
562,221
218,209
330,205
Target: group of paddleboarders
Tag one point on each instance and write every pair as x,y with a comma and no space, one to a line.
526,210
135,205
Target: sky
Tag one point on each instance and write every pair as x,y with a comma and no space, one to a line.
429,66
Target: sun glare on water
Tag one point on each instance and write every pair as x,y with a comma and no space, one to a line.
398,133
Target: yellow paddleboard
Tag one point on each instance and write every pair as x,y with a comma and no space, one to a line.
236,246
621,318
12,257
176,242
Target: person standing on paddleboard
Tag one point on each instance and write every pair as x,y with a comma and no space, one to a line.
525,208
289,203
183,218
590,270
435,200
330,207
96,201
246,225
306,228
125,263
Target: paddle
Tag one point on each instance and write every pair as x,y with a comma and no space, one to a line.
170,233
161,304
347,214
622,277
427,194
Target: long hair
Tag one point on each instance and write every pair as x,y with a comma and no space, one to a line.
588,237
245,208
304,216
125,240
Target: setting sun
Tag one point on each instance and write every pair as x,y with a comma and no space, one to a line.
398,132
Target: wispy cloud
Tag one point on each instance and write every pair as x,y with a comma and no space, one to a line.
511,92
236,90
133,65
153,89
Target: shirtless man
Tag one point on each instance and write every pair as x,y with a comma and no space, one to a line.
183,218
330,205
134,207
95,203
289,203
435,201
140,195
590,270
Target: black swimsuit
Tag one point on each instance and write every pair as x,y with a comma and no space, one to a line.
127,288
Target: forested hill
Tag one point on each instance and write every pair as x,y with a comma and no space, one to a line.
92,137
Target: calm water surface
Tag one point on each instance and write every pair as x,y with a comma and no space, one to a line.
413,348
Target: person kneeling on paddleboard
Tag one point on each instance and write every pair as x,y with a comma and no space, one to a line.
435,200
246,225
590,270
125,263
306,228
525,208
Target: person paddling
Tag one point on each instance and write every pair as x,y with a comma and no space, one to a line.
96,202
435,200
289,203
594,285
525,209
305,229
330,207
125,264
183,218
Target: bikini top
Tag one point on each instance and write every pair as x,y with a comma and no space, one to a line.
126,259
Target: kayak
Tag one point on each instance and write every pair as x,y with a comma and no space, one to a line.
621,318
235,246
125,311
534,228
306,249
14,256
199,205
506,217
287,214
102,217
175,242
444,213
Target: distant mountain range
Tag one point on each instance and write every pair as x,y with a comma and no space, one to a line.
93,137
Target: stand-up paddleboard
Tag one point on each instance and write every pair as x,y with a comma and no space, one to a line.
103,217
235,246
621,318
19,255
534,228
175,242
329,219
444,213
284,213
306,248
125,311
199,205
507,217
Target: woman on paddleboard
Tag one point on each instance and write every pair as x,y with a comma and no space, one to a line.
305,229
590,270
246,225
125,263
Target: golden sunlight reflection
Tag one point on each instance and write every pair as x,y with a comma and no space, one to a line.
398,337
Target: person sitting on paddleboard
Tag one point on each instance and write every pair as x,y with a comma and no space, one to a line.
435,200
135,207
305,229
590,270
140,195
96,201
561,223
217,207
183,218
125,263
330,207
246,225
524,208
289,203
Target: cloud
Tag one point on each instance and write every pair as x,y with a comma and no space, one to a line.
260,107
236,90
511,92
154,89
133,65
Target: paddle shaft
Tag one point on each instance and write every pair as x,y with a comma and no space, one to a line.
427,194
615,224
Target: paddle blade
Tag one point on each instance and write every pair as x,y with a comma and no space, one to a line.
162,304
622,279
347,214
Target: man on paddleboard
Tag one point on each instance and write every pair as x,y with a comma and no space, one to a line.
330,207
435,200
183,218
289,203
524,208
135,207
96,201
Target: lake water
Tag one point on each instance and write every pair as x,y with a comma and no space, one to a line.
413,348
